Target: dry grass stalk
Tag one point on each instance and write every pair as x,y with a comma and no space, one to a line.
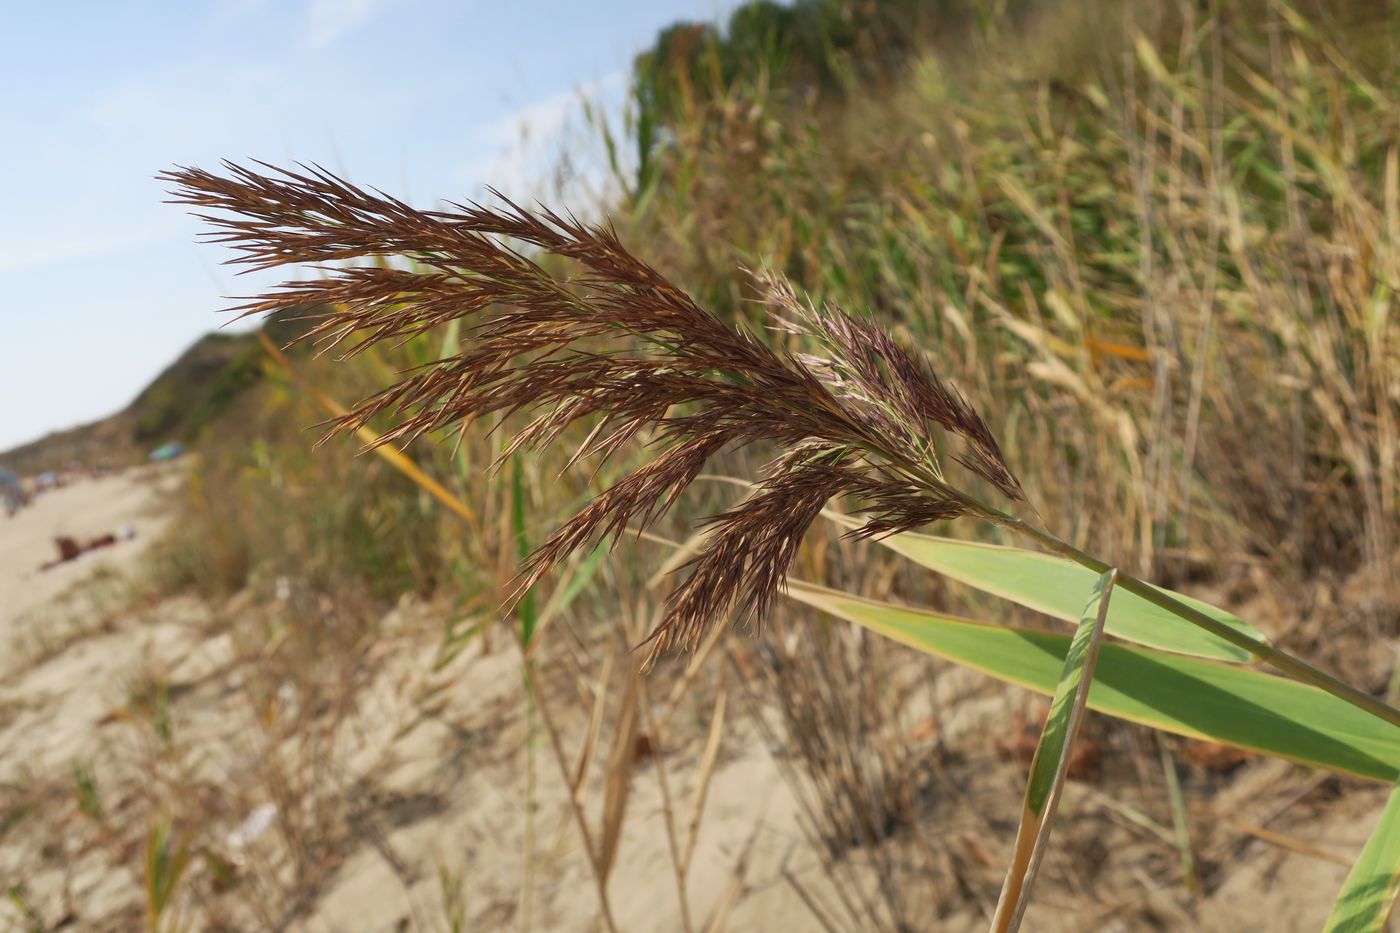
619,772
832,700
679,860
706,771
861,419
600,854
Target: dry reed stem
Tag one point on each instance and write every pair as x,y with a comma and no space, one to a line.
678,858
707,770
619,772
590,735
596,863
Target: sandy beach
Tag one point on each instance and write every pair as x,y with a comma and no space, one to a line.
394,798
70,704
131,506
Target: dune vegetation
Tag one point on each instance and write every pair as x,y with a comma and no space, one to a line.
958,354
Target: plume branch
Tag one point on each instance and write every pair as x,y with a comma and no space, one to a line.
616,346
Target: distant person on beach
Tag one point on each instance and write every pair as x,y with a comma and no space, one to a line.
12,492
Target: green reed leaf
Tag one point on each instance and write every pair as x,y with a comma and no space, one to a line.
1058,587
1187,696
1368,896
1050,766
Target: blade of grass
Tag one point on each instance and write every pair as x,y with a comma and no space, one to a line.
1187,696
1181,828
619,775
590,736
165,866
1368,895
1051,762
593,852
668,808
707,770
526,608
1055,586
580,575
1294,667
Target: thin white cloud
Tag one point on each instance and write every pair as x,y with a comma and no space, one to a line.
185,101
21,253
328,20
229,11
529,144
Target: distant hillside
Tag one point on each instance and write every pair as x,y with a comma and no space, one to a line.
192,392
195,389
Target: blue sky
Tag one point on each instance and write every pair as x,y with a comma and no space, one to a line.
103,285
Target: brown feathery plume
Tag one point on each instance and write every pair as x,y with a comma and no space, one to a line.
858,421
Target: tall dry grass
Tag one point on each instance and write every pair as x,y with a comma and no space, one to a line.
1164,275
1183,255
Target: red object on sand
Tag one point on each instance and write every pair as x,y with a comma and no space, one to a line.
70,549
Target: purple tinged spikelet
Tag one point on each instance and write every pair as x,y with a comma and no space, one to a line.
856,419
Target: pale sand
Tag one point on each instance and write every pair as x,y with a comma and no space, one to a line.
454,784
57,709
83,510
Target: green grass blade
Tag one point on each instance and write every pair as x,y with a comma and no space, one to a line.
1058,587
1067,707
1368,896
1181,827
528,611
1187,696
165,866
1051,762
578,581
580,575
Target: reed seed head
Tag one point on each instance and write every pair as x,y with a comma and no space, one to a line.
617,346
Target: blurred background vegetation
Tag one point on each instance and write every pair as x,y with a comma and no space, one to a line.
1157,244
1154,241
